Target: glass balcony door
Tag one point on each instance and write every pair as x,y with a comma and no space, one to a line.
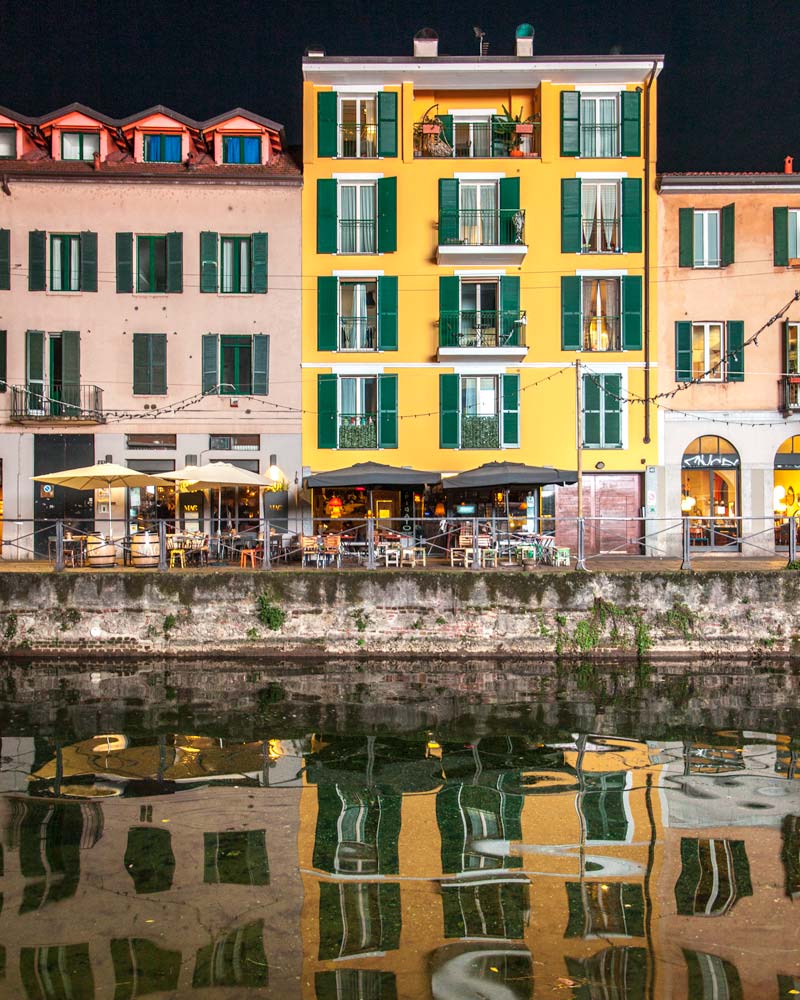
358,130
472,139
478,318
478,214
358,316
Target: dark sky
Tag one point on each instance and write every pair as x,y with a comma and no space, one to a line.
729,98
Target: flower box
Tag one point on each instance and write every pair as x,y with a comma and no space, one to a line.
524,128
431,128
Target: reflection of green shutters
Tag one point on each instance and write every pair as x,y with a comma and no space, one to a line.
571,313
570,123
140,962
448,411
149,364
387,411
631,312
602,805
510,410
209,262
5,259
735,350
357,917
387,123
630,114
378,836
259,244
571,215
459,807
235,959
686,237
347,984
327,313
387,214
714,874
149,859
387,313
780,237
327,124
683,351
448,211
485,910
55,971
326,216
36,260
260,364
728,222
631,214
174,262
790,854
596,909
712,977
124,249
236,857
622,970
326,411
88,243
210,362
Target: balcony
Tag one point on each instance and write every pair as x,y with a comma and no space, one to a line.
601,235
358,141
789,391
358,333
482,236
477,140
600,140
485,335
39,401
601,333
358,236
479,431
358,430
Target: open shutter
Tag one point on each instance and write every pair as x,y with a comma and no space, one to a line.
449,388
571,215
124,247
141,364
259,254
449,306
631,312
632,214
5,259
3,361
174,262
683,351
570,123
500,136
327,125
735,351
36,260
591,411
780,237
728,234
327,313
387,123
447,128
88,262
686,237
630,141
387,314
510,411
210,362
387,411
34,356
510,327
387,214
571,339
326,411
448,211
209,262
509,206
260,364
326,216
612,411
71,367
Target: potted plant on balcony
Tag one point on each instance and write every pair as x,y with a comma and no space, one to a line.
514,127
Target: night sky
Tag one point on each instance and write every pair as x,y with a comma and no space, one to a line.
729,97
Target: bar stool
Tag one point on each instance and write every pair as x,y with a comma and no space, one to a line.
251,554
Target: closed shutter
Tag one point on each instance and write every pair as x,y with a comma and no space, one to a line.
449,388
210,362
209,262
387,411
158,364
570,123
449,307
36,260
686,237
591,411
509,326
71,367
728,234
735,351
448,211
149,364
612,411
510,411
447,128
780,237
387,314
500,143
631,312
124,248
571,215
632,215
326,411
387,123
88,243
34,357
327,313
259,255
326,216
571,339
141,364
631,144
387,215
260,364
5,259
3,361
327,124
683,351
509,206
174,262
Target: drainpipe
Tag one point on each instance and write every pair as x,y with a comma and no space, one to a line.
647,86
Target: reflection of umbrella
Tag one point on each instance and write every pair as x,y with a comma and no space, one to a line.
218,474
372,474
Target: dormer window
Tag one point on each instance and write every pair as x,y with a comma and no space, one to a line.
8,144
79,145
241,149
161,148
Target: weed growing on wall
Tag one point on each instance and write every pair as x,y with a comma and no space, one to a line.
269,614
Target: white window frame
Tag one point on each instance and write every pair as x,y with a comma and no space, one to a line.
794,233
603,276
793,333
358,98
704,259
242,239
595,99
706,325
359,346
358,185
479,184
597,220
74,276
10,132
470,119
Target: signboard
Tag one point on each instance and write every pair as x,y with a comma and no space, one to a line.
711,460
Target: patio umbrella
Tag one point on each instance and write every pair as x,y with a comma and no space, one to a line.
216,475
372,474
505,474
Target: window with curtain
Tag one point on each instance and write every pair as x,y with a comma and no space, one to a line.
599,125
478,317
241,149
707,349
358,129
65,263
478,213
151,263
794,229
600,217
357,217
160,148
792,349
707,238
601,314
358,315
235,261
79,145
8,143
472,138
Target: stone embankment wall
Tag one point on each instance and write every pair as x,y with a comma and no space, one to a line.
390,613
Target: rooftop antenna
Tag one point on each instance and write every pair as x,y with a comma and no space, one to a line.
483,47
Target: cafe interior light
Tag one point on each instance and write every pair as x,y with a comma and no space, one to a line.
687,503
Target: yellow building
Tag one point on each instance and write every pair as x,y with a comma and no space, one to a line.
472,228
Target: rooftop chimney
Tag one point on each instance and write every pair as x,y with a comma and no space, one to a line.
426,43
315,52
788,165
524,36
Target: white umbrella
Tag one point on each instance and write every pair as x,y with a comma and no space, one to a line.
218,474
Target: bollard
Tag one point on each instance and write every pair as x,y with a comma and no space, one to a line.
580,562
162,545
792,542
370,543
59,546
686,561
266,562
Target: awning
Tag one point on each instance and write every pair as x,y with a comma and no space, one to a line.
372,474
501,475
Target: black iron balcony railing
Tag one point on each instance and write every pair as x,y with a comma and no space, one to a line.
357,236
600,140
789,390
482,227
57,401
487,328
600,235
358,140
358,333
480,431
477,140
601,333
358,430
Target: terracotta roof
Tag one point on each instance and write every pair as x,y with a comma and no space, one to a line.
122,165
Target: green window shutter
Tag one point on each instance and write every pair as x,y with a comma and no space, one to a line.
158,364
500,138
326,412
209,262
631,142
326,216
571,215
3,360
387,411
449,311
570,123
591,411
449,390
728,234
448,211
632,214
36,260
509,204
780,237
387,314
259,256
683,351
735,351
174,262
509,326
686,237
5,259
571,339
141,364
387,214
612,411
124,248
210,362
447,128
88,242
510,410
70,366
631,312
260,364
327,124
34,355
387,123
327,313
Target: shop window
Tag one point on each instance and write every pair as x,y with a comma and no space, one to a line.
152,441
234,442
710,492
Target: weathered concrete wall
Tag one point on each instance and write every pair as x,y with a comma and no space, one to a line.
429,612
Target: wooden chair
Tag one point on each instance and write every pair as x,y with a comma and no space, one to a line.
461,555
309,546
487,550
332,550
390,553
248,555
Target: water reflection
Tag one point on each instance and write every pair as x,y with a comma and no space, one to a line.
496,855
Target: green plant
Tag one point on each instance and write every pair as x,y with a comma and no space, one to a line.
507,123
68,618
360,618
794,564
361,642
169,623
680,618
253,634
643,638
417,624
270,614
561,620
440,621
11,627
587,635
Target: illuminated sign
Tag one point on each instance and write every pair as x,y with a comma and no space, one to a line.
711,460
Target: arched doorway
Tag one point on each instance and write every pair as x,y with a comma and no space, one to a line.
710,492
786,488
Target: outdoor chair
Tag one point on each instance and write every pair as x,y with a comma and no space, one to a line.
487,550
389,553
248,555
561,557
461,555
332,550
309,546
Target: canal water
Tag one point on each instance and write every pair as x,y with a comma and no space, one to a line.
406,830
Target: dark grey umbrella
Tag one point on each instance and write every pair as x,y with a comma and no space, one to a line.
504,474
372,474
